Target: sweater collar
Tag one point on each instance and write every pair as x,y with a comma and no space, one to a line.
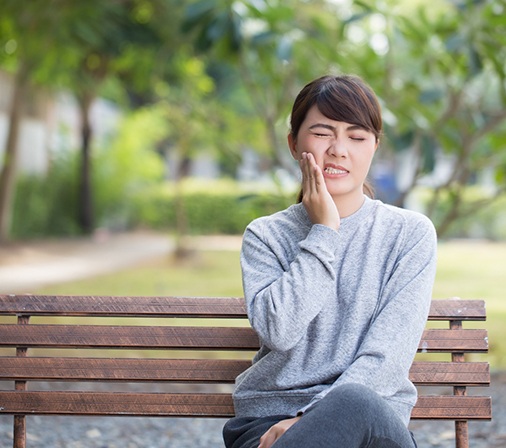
348,222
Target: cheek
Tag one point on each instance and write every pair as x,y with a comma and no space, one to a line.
365,156
317,148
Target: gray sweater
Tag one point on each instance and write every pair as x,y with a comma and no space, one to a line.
334,307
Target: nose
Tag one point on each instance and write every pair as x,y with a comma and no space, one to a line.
337,149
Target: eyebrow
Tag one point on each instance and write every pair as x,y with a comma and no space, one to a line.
353,127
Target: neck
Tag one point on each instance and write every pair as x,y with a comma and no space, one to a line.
349,204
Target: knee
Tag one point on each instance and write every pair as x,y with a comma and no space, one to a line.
357,399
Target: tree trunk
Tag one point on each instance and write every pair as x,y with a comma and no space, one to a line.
8,173
85,203
182,251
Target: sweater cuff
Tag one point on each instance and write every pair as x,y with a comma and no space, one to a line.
321,240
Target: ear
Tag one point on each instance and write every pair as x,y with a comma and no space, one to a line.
292,144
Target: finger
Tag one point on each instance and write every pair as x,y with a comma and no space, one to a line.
306,174
316,176
319,181
267,440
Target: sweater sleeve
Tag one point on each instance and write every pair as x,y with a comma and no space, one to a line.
386,353
281,299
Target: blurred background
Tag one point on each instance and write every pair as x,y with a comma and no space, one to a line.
140,137
170,117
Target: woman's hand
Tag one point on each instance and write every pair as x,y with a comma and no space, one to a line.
276,431
316,199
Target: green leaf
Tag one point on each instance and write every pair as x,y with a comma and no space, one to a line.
197,13
284,49
455,43
431,95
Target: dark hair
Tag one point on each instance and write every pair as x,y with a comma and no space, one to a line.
341,98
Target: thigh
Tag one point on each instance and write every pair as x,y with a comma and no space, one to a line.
245,432
350,416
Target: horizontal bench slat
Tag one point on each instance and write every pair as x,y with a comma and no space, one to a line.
203,370
469,340
457,309
215,307
454,373
122,369
127,337
116,403
40,305
452,408
208,405
212,338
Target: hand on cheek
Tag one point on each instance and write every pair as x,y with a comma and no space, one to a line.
316,199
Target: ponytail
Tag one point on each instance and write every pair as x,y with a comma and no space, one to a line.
368,189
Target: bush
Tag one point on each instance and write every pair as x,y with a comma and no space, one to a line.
213,207
46,206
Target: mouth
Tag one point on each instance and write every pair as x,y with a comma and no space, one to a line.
329,169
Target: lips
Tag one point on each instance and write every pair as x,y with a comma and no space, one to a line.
335,170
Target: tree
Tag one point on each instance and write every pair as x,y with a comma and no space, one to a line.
29,31
273,47
450,98
438,70
106,33
81,46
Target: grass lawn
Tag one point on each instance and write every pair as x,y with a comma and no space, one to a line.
209,273
466,269
477,270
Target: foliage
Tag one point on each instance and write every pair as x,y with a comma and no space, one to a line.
25,57
225,73
126,200
449,100
45,206
213,207
438,70
128,164
81,45
268,45
475,222
227,207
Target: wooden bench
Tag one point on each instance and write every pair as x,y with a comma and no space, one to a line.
162,339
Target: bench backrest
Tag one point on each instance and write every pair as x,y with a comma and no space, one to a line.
190,340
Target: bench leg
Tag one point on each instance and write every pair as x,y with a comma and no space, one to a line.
461,427
19,431
461,434
20,420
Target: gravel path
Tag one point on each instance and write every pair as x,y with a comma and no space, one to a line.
128,432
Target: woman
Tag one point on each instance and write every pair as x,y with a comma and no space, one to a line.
338,288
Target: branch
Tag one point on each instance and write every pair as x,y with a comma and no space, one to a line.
489,126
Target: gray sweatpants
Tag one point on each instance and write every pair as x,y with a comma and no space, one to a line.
351,416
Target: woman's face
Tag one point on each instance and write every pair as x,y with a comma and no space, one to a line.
342,150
